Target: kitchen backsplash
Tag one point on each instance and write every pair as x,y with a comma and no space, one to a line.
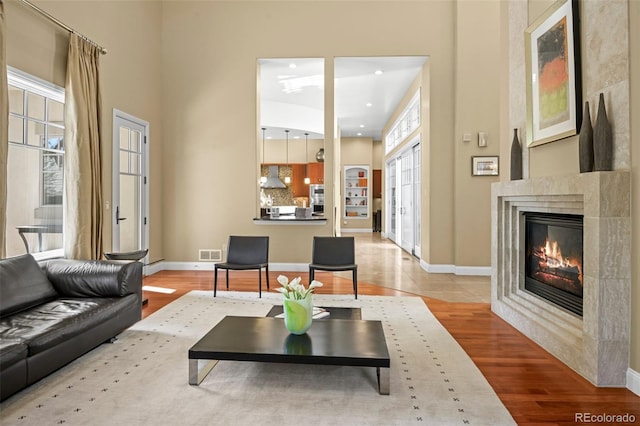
280,197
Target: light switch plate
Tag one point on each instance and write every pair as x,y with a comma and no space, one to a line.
482,139
466,137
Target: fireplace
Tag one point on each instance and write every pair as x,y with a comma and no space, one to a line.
553,258
596,344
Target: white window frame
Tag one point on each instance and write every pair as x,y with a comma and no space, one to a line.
35,85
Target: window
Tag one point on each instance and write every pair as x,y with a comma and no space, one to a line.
35,166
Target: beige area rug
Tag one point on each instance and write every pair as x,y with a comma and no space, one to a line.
142,379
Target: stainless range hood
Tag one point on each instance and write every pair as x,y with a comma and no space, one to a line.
273,181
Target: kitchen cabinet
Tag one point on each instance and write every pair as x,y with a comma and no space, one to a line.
377,183
316,173
356,192
298,187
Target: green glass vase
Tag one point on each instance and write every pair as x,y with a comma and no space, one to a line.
298,315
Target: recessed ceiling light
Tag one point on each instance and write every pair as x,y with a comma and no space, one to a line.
369,104
296,137
378,72
292,65
362,126
359,134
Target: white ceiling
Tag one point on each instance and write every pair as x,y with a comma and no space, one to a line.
293,98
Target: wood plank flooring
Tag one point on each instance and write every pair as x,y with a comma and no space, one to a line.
535,387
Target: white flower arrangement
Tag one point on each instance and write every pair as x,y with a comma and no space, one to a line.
294,290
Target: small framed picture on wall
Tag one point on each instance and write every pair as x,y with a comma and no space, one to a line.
484,166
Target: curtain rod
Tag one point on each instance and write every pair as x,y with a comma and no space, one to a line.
63,25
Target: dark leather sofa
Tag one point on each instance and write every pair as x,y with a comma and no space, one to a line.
54,311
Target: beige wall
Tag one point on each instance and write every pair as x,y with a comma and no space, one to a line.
477,110
634,56
209,58
455,210
129,76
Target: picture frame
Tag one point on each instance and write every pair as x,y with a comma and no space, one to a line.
486,165
553,82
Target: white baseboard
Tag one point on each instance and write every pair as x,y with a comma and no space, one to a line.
355,230
152,268
437,269
304,267
457,270
188,266
633,381
473,270
209,266
295,267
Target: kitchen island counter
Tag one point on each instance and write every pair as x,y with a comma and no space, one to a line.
290,220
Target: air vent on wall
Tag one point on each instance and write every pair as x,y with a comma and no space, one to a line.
210,255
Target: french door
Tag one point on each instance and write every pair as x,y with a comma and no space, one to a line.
130,197
406,201
403,199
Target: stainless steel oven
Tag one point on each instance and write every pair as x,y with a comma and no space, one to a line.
316,198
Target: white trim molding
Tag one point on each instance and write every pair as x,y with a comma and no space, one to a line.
209,266
633,381
456,270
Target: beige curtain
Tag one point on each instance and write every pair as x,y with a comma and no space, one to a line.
83,172
4,133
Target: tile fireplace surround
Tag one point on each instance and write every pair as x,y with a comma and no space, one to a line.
596,345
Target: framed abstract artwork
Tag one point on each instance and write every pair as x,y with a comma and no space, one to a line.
554,89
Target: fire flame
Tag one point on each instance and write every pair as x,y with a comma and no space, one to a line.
554,259
554,255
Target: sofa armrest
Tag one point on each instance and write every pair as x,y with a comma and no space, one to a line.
94,278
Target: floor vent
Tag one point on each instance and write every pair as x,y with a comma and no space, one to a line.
210,255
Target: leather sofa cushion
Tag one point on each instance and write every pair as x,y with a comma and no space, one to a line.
49,324
23,285
82,278
11,351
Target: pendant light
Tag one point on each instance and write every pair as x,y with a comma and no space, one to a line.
307,180
263,179
287,179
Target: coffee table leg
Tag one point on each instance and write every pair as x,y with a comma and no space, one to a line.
197,374
384,375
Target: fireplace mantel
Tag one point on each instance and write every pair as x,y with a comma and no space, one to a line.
596,345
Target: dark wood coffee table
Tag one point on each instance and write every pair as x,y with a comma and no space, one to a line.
262,339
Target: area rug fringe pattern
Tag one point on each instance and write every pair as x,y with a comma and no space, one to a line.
142,378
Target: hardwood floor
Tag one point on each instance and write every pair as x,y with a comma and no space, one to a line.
535,387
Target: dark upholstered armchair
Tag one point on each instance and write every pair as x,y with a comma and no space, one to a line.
245,253
334,254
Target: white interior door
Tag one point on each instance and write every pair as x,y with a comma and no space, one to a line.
391,200
130,199
416,200
406,201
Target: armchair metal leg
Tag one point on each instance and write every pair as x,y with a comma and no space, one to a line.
267,273
355,283
260,282
215,281
227,271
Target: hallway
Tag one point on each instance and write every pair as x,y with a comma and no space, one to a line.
383,263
